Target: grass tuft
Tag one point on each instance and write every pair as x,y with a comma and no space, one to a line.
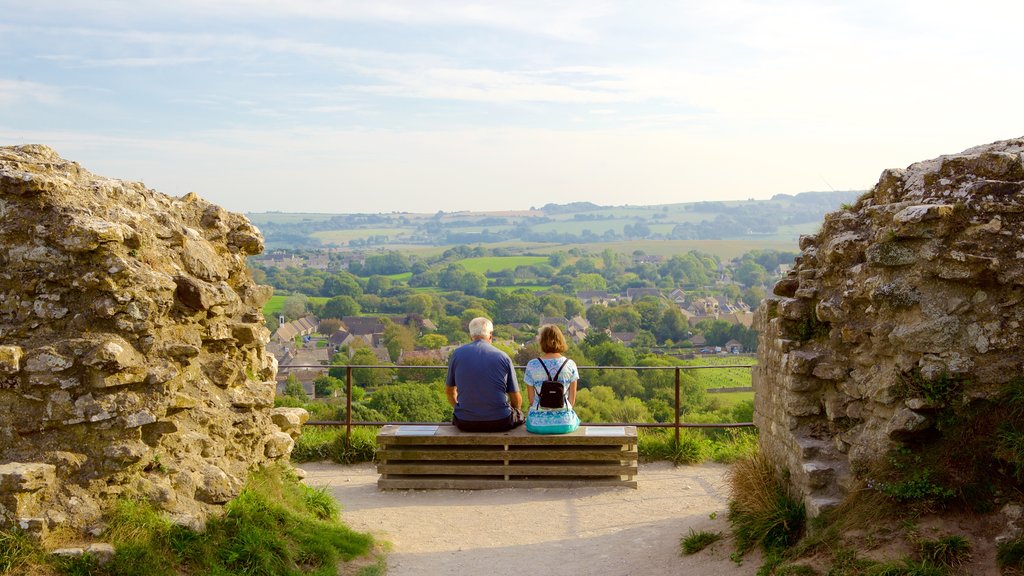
906,567
696,541
761,511
1011,554
950,551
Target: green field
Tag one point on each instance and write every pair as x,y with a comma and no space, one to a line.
499,263
276,302
727,399
341,237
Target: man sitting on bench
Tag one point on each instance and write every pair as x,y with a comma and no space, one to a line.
481,384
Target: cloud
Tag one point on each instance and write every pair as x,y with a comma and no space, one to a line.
21,91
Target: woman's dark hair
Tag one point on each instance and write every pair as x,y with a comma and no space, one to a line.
551,339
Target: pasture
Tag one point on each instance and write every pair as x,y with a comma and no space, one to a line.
341,237
276,302
487,264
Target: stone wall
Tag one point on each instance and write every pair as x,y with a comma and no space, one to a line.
921,282
132,357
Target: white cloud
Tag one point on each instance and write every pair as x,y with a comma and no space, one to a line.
21,91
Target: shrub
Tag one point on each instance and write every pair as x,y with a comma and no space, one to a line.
761,510
696,541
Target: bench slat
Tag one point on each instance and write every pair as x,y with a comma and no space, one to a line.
440,483
441,453
517,469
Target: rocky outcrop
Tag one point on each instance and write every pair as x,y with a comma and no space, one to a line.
132,357
915,289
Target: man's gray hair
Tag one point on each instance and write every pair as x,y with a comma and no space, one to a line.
480,328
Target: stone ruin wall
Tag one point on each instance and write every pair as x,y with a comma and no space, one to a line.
132,357
923,277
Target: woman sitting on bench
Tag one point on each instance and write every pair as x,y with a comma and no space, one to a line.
551,385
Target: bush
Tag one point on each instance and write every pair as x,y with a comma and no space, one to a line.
761,511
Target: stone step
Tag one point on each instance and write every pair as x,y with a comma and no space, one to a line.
816,505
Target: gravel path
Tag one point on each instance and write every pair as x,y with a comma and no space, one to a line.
563,531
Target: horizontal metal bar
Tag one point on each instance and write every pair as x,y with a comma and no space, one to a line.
444,367
332,423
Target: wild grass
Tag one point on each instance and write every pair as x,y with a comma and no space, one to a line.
696,446
328,443
276,526
950,551
696,541
1011,554
761,510
18,553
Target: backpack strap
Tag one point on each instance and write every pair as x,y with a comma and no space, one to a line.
559,371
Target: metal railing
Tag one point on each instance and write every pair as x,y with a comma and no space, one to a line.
348,423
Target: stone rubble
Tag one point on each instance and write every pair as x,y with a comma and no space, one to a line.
922,278
132,360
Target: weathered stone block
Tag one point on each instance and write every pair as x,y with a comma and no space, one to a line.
10,359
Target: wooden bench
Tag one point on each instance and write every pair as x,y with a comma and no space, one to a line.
443,457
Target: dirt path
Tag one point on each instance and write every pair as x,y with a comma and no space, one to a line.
566,531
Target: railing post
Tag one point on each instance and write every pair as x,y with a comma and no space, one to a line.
348,408
678,372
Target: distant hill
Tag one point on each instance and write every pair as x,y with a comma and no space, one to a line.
782,218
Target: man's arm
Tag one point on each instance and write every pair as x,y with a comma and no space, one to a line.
453,394
515,400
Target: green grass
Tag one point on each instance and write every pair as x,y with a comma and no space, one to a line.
276,526
695,445
498,263
729,399
696,541
328,443
276,302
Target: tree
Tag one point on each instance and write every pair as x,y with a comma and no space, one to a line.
672,326
398,338
294,307
752,296
432,341
339,284
411,402
341,306
293,388
589,282
328,386
378,284
329,326
612,354
750,273
473,283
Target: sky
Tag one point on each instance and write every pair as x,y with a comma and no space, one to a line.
425,105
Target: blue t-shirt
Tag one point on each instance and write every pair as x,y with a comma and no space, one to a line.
534,375
483,376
